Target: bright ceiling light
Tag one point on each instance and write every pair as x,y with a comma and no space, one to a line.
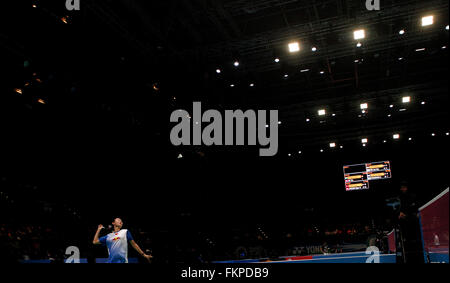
401,32
396,136
304,70
218,71
359,34
427,21
332,145
277,60
252,85
358,44
294,47
406,99
314,49
322,112
364,106
236,64
364,141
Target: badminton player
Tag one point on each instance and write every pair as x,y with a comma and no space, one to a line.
117,243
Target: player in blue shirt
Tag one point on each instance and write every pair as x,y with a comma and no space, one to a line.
117,243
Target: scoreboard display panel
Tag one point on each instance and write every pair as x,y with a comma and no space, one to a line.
358,176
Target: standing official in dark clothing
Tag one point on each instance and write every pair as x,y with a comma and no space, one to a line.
409,225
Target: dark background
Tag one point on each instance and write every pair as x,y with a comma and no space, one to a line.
100,144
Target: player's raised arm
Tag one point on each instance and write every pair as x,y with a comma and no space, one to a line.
96,240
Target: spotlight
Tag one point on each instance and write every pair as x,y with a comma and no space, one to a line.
400,59
359,34
322,72
286,76
18,91
447,134
446,27
236,64
289,155
423,103
391,106
420,49
308,120
433,134
396,136
218,71
359,44
401,32
364,106
321,150
410,139
332,145
314,49
364,141
41,101
427,21
277,60
304,70
406,99
294,47
300,152
322,112
252,85
232,85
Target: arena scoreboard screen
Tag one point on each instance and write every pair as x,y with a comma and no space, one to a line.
357,177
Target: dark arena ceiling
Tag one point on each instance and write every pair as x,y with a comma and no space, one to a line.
106,79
